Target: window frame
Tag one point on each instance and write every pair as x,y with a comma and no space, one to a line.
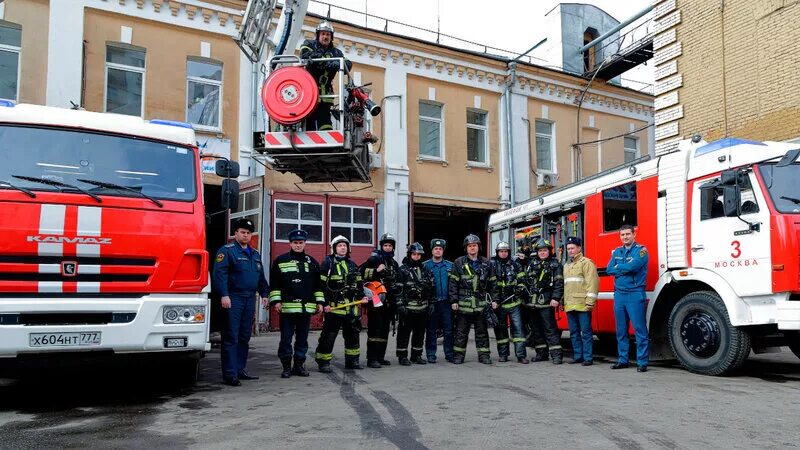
126,68
553,170
626,150
206,81
248,212
18,51
485,129
299,221
352,225
440,122
635,223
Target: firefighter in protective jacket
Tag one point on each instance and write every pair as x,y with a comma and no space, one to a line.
323,72
341,284
472,287
509,274
296,294
544,279
415,293
381,267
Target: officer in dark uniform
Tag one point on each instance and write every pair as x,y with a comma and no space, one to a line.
341,284
381,267
238,275
628,265
323,72
544,279
509,276
296,294
441,315
412,305
472,287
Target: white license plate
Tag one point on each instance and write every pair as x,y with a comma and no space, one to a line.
80,339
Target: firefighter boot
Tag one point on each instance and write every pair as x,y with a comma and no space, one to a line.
352,364
418,360
556,356
287,367
374,364
485,359
403,361
299,368
458,359
324,366
541,355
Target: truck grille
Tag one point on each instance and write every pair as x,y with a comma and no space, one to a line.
13,276
97,269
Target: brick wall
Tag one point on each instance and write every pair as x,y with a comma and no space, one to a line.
737,72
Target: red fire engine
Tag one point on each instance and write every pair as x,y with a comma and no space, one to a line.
103,248
721,222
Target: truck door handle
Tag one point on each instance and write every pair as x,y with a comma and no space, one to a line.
698,248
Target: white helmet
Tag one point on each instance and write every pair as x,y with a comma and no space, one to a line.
337,240
325,26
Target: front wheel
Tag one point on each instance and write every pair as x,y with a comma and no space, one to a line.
702,337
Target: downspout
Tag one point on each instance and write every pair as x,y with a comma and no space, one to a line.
512,70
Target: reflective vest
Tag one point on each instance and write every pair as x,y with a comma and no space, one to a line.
296,284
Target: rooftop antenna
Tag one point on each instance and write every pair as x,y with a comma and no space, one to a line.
438,21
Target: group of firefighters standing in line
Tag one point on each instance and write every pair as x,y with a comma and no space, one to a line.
424,297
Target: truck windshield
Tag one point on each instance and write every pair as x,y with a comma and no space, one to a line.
136,166
781,182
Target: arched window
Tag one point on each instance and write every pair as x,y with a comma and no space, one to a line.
590,55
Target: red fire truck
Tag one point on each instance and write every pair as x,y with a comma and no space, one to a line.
103,239
721,221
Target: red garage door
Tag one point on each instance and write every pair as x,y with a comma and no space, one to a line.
323,216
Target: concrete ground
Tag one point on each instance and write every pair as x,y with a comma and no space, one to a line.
433,406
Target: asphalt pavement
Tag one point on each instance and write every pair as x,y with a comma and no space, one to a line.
433,406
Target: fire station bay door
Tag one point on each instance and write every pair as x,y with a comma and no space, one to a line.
725,245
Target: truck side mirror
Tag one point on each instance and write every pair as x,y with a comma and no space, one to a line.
226,169
230,194
731,199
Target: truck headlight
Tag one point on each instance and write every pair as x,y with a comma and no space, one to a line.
184,314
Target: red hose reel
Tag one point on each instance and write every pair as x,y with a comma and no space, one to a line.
290,94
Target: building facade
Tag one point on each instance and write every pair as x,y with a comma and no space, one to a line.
462,133
726,69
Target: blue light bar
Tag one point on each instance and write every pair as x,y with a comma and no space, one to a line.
172,123
724,143
7,103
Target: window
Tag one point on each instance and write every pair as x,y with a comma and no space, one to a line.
291,215
204,94
430,131
712,198
590,55
544,146
619,206
10,43
477,137
631,148
125,66
249,207
352,222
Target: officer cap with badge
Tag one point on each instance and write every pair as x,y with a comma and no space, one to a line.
298,235
244,223
438,243
574,240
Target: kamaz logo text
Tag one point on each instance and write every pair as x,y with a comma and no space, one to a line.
69,240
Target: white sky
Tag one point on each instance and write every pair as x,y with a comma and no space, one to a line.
506,24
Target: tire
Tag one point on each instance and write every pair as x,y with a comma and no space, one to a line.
793,341
186,372
702,337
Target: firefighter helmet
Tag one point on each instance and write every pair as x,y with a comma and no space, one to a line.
416,247
325,26
543,243
502,245
472,239
335,241
387,237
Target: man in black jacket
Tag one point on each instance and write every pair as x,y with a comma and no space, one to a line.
296,294
323,72
381,266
